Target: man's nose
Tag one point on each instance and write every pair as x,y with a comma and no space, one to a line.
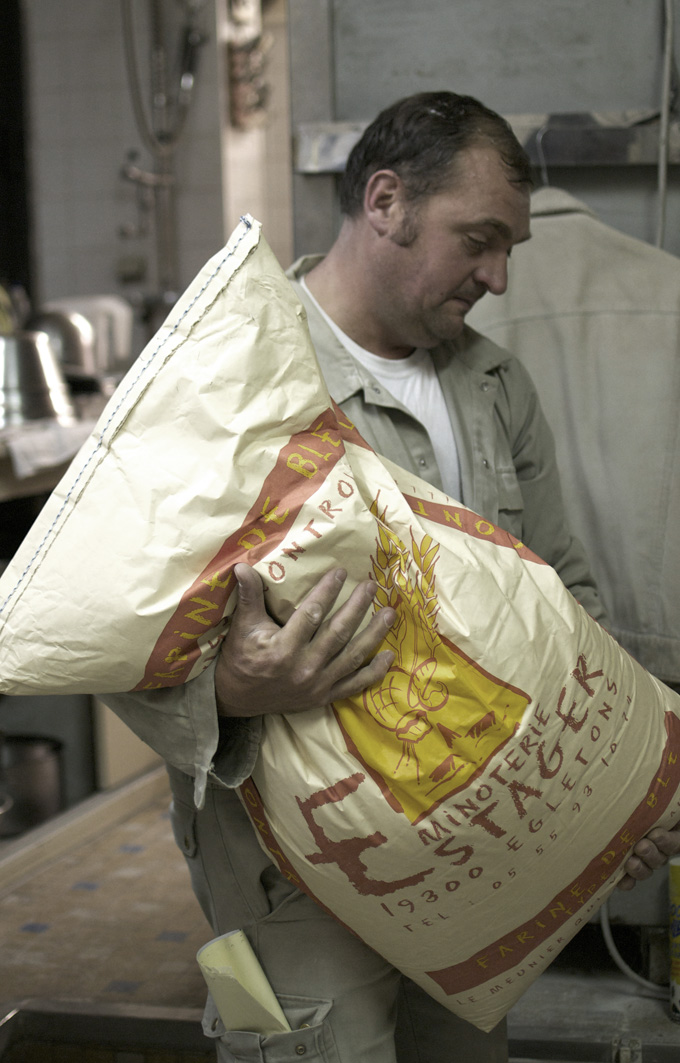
492,272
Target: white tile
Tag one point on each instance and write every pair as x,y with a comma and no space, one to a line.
95,272
56,278
48,67
199,220
48,114
193,256
45,19
95,168
94,62
82,130
198,164
96,115
88,18
52,224
94,224
50,173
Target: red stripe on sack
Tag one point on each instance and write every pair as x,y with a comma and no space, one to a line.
258,817
514,947
347,430
470,523
302,464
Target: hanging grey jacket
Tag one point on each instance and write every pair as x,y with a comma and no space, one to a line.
594,314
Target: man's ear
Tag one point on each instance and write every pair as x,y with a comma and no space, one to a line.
384,201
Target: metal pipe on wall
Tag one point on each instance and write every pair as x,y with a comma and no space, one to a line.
161,132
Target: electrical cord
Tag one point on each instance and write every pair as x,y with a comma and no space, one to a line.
664,121
162,146
661,992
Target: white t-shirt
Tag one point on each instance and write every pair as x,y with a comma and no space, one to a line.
414,382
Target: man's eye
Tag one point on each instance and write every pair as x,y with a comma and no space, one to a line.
477,246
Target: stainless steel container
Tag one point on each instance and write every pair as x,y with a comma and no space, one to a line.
30,782
73,340
32,383
105,325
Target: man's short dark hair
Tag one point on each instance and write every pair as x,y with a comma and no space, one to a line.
419,138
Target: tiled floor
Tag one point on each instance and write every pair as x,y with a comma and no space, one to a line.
113,920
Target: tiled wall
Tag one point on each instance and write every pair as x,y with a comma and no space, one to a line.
81,129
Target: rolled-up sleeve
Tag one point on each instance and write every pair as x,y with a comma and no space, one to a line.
182,725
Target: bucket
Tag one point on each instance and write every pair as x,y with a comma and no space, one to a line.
32,384
30,782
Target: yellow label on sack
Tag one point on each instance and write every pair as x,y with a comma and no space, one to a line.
437,718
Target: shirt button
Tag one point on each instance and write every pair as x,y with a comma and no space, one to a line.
300,1050
485,385
377,390
485,463
422,462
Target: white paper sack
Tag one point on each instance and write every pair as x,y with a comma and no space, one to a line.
167,473
468,816
465,816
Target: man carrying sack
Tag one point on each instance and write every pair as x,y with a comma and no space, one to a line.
435,195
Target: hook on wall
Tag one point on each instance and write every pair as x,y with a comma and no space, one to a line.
543,166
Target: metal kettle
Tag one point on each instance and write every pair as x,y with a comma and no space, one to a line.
32,383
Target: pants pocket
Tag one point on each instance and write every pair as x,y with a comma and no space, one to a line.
223,855
309,1041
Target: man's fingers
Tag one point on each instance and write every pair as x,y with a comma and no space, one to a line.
365,677
666,841
363,645
340,630
650,854
311,660
249,585
636,869
314,608
307,622
355,668
327,638
250,610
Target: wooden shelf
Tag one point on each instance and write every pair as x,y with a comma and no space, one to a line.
624,138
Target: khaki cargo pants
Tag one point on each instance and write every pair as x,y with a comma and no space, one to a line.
345,1003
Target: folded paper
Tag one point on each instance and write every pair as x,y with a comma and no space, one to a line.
239,987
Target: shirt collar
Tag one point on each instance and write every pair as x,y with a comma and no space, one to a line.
345,376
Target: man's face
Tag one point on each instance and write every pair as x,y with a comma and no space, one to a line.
450,248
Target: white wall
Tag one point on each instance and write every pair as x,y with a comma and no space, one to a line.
517,56
81,127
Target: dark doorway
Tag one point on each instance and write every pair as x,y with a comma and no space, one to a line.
15,232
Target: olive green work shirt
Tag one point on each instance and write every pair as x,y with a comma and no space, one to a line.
509,476
505,446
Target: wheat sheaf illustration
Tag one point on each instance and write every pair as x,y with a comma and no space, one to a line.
436,717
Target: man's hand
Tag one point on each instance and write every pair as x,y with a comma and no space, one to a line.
308,662
649,854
